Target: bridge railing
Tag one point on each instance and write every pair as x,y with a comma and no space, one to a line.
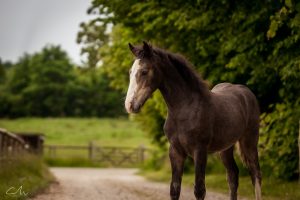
11,145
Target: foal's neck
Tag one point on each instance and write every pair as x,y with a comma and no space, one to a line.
179,95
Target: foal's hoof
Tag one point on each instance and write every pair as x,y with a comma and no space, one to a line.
200,194
174,198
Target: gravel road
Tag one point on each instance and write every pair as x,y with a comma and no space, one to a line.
110,184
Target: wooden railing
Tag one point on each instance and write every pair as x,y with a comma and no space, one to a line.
112,155
11,145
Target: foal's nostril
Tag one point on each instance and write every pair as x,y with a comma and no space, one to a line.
130,106
139,106
133,107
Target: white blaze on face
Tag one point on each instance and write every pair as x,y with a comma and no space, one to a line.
132,84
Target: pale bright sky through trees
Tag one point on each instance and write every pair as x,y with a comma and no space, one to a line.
28,25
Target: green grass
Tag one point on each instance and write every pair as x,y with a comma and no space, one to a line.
84,162
80,131
72,162
271,189
28,173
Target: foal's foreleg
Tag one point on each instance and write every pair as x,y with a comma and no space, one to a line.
177,162
200,158
232,171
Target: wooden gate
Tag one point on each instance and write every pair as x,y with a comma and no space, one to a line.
107,155
118,156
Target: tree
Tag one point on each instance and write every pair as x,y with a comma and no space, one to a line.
48,84
2,72
39,82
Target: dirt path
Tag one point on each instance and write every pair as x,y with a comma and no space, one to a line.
110,184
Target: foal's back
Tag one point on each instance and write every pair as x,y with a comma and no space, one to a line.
236,112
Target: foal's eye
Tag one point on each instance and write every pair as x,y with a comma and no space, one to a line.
130,71
144,72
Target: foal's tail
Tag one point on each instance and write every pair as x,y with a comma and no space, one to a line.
247,144
249,155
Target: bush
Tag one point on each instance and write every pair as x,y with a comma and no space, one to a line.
278,141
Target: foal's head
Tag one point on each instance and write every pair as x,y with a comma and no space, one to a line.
144,77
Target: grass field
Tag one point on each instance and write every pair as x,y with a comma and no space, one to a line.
80,131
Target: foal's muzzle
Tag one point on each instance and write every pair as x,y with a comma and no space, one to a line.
135,108
136,105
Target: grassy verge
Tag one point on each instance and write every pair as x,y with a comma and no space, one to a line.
23,177
71,162
84,162
271,189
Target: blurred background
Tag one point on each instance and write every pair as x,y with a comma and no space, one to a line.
64,74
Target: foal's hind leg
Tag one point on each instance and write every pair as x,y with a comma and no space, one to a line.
248,148
232,171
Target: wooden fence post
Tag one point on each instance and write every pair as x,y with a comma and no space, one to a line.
10,145
142,151
52,151
91,149
3,144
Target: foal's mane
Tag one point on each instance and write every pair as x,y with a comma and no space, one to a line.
184,69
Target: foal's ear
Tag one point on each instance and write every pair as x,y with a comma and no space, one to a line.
133,49
147,48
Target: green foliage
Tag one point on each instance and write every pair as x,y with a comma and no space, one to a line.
116,59
2,73
48,84
255,43
279,154
4,69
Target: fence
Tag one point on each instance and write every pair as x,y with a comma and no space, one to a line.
10,145
115,156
